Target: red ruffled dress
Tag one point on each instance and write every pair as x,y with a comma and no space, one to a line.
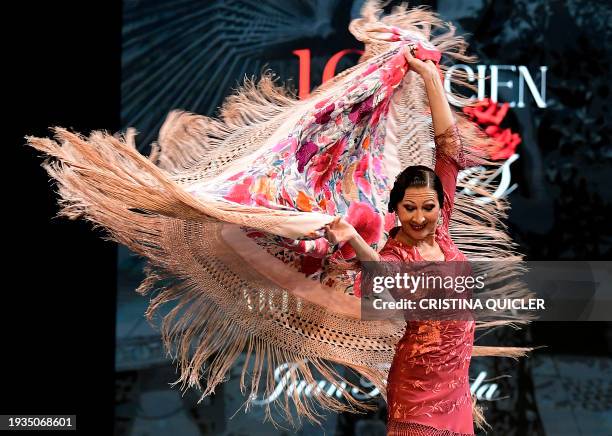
428,387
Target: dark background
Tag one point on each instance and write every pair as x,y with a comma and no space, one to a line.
58,305
64,65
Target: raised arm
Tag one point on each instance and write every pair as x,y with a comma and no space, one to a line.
449,151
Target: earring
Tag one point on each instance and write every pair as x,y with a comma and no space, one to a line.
440,219
397,221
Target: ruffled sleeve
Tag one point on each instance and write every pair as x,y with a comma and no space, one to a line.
450,158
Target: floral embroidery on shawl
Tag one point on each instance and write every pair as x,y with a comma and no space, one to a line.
332,162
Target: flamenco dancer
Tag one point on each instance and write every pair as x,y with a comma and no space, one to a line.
243,219
423,201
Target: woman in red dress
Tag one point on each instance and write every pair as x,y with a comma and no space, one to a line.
428,385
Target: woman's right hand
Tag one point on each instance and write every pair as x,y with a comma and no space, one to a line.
339,230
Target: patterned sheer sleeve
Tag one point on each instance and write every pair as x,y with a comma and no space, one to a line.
385,255
450,159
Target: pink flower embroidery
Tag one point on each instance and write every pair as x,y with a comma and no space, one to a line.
376,164
360,175
326,163
330,207
285,196
369,71
361,110
262,200
240,193
366,221
323,116
389,221
305,153
292,142
321,103
393,72
377,113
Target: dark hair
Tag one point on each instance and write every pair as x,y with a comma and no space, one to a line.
417,175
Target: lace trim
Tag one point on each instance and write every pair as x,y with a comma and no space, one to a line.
399,428
449,144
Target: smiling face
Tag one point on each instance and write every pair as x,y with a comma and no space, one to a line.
418,212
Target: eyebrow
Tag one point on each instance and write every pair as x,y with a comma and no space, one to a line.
427,199
411,201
